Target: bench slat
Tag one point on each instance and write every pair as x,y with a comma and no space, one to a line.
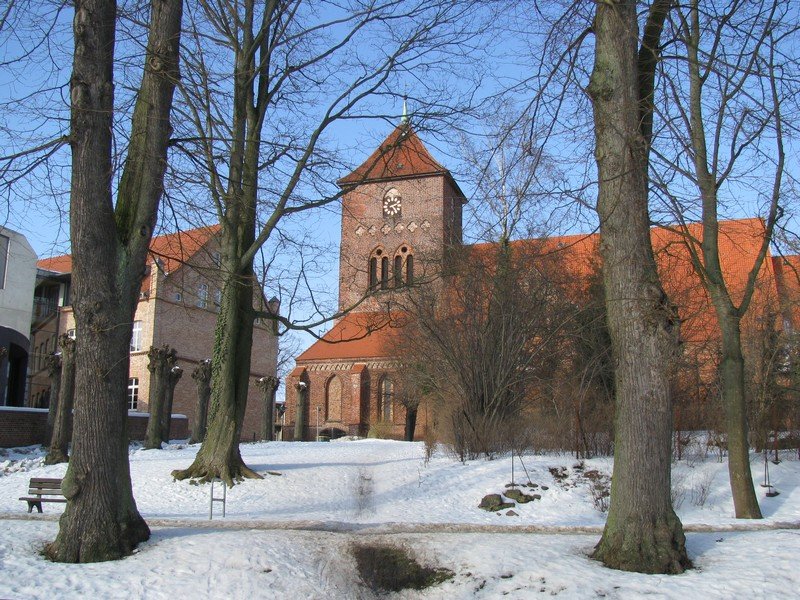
45,480
46,486
41,499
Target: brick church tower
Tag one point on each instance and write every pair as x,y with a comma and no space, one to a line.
401,215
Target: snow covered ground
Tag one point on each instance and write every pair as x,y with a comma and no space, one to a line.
287,536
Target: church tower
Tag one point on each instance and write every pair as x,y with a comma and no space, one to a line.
401,218
401,213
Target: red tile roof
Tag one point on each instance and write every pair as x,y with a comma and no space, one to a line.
787,274
360,337
173,250
402,154
366,335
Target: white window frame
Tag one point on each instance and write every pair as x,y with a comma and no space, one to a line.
202,295
133,393
136,337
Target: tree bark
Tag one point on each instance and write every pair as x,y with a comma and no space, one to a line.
642,532
268,386
54,365
173,377
110,243
734,399
202,377
62,425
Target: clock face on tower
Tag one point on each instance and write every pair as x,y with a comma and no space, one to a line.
392,204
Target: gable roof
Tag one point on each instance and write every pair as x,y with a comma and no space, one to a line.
360,336
172,250
401,155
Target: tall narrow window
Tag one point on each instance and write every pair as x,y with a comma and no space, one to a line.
373,273
398,271
409,269
386,400
136,337
202,295
384,272
133,393
217,299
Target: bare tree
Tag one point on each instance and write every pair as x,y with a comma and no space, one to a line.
723,102
642,531
294,71
478,353
110,241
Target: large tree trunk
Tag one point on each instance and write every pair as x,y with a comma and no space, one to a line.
109,245
202,377
642,532
219,455
62,424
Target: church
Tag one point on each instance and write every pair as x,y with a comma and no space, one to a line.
401,223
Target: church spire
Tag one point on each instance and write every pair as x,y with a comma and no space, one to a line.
404,118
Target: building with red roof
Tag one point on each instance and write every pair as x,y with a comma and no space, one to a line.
401,224
178,304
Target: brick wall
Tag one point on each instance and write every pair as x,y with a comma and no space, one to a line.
28,426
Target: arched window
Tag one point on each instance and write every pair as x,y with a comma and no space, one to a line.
373,273
403,266
375,258
386,400
384,272
398,271
333,400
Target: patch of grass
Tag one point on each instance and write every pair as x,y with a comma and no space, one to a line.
392,568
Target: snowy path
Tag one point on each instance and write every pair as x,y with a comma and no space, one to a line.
222,524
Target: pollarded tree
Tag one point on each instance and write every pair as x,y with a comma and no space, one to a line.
65,399
202,378
642,531
265,85
110,240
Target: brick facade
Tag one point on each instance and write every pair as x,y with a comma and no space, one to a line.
173,310
28,426
426,226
